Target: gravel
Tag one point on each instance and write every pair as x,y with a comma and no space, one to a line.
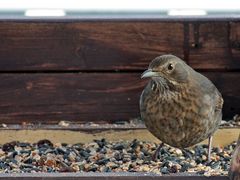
233,122
104,156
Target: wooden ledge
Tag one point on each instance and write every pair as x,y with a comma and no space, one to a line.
126,17
88,133
106,176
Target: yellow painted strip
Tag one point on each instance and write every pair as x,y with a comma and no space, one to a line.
221,138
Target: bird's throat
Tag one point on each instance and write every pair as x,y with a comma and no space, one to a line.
162,85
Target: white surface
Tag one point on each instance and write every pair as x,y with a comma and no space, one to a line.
45,12
120,5
187,12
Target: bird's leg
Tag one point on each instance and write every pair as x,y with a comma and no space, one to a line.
155,155
209,148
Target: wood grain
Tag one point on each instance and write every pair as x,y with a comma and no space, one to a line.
86,45
210,47
85,97
235,43
116,45
103,45
71,136
50,53
77,97
106,176
227,84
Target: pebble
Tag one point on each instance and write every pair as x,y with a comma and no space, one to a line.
233,122
44,143
111,165
4,125
216,165
102,161
164,170
104,156
64,123
9,146
118,147
50,160
204,157
2,153
144,168
178,152
72,156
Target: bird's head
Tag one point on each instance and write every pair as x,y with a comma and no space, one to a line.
168,68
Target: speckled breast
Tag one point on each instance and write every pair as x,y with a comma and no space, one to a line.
179,119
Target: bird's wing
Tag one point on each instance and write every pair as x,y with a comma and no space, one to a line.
209,88
219,101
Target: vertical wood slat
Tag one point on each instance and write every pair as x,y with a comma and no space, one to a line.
235,42
209,46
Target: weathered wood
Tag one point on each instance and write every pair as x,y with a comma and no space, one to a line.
228,85
78,97
72,135
83,97
210,46
97,46
86,45
235,43
106,176
89,46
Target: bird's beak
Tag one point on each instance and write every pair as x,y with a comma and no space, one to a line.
148,73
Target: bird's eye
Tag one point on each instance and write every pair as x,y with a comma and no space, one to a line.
170,67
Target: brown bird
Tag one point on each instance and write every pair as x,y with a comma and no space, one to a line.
234,171
180,106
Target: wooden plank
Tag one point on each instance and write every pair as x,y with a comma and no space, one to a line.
106,176
210,46
86,45
235,43
78,97
87,136
84,97
230,89
116,45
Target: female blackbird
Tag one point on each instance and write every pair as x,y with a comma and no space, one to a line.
180,106
234,171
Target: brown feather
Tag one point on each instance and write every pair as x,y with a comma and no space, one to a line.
180,106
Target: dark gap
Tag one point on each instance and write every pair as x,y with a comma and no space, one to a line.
186,42
217,70
100,71
68,71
